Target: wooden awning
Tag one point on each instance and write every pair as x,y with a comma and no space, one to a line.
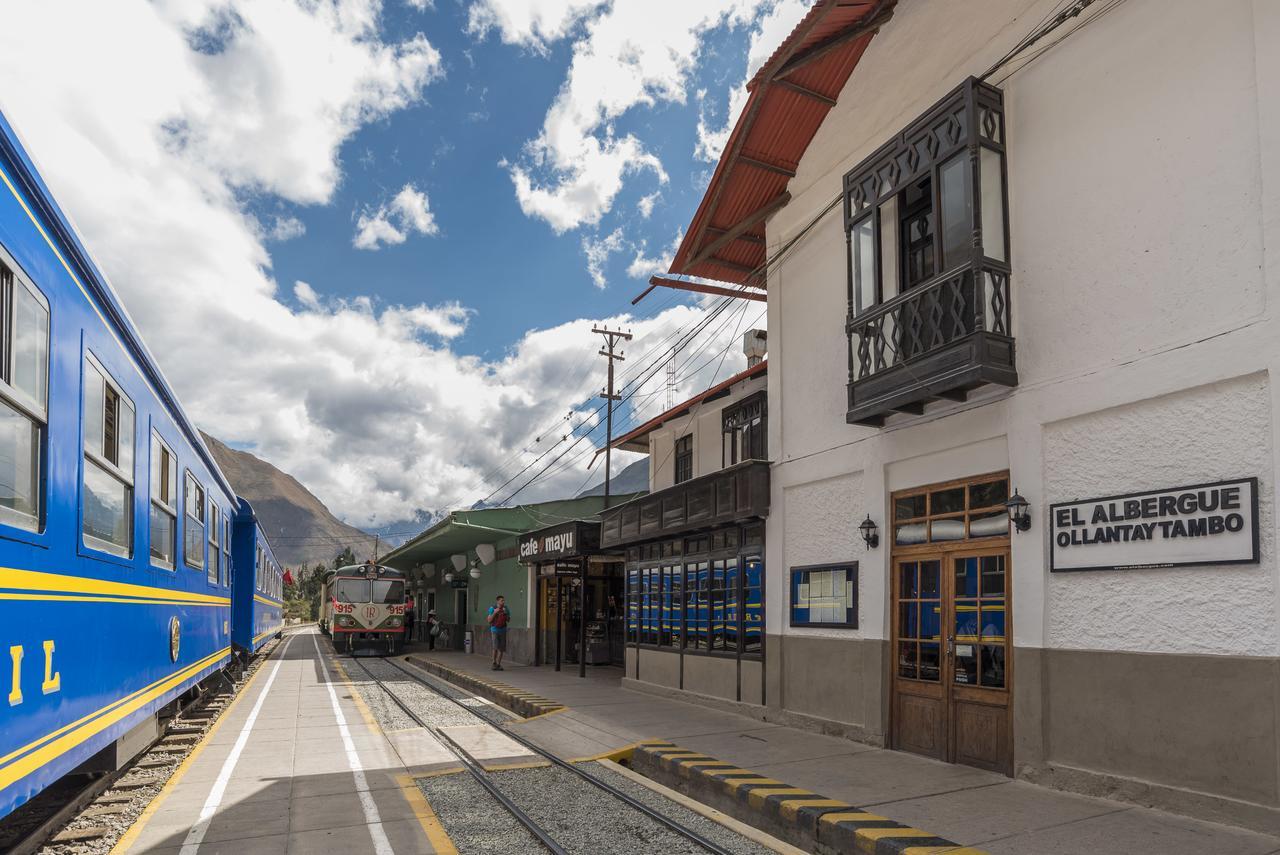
789,99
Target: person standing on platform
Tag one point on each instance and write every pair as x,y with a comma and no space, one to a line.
409,619
433,629
499,617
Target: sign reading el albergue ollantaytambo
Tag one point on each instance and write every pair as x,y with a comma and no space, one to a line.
1202,524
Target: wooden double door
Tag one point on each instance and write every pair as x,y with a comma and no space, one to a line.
952,652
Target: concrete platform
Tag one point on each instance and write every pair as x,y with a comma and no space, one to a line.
972,807
296,765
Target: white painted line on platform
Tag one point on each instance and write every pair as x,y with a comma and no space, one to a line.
191,845
381,845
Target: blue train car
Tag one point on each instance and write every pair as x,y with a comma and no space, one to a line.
115,522
258,598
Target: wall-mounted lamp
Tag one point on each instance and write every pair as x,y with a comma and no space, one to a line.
428,570
1019,511
459,562
448,578
486,553
475,570
870,534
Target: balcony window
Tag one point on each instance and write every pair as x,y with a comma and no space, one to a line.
927,231
745,431
684,458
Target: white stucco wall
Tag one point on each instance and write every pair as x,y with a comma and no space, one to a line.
1142,195
703,421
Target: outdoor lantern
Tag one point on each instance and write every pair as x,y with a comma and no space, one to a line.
448,578
459,562
475,570
428,570
870,534
1019,511
486,553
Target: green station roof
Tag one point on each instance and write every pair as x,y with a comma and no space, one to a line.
463,531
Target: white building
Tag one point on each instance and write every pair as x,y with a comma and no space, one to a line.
1110,337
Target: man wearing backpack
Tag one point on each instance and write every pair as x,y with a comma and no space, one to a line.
498,619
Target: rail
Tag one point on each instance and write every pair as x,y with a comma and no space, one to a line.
483,777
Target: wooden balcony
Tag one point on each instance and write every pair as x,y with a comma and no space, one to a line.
737,493
938,341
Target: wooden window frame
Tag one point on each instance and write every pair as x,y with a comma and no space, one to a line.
683,459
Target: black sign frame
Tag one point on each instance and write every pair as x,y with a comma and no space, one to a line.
1256,557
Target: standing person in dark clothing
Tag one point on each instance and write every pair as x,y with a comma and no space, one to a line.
499,617
433,629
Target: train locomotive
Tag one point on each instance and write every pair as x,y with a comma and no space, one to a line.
125,554
363,605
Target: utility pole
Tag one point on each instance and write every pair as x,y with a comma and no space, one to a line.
612,337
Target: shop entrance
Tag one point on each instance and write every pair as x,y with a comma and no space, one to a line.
952,683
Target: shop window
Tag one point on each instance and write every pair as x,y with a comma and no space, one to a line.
825,595
949,513
684,459
108,463
24,385
752,605
745,430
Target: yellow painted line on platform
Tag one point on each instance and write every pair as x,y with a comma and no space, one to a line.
436,773
506,767
756,798
545,714
709,765
436,835
616,755
790,807
852,816
943,850
131,835
869,837
734,782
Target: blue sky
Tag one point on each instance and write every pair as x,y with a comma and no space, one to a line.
367,239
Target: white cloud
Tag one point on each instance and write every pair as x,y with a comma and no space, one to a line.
598,251
643,266
411,213
421,5
774,26
286,228
368,404
625,55
646,203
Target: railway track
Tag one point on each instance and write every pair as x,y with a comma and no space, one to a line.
86,814
489,780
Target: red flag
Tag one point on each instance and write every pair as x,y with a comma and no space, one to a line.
288,577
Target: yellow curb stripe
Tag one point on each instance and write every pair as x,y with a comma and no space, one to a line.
755,781
436,773
709,764
436,835
943,850
131,834
756,798
875,835
790,808
852,816
504,767
618,754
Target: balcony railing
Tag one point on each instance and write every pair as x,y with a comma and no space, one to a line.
939,340
736,493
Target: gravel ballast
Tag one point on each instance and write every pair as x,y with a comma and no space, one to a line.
474,820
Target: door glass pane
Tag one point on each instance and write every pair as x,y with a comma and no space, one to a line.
863,251
989,495
967,663
992,622
966,577
995,524
993,576
957,210
907,659
929,575
993,665
966,622
908,620
931,620
946,501
948,529
907,588
930,661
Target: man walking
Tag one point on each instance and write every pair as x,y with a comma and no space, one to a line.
498,619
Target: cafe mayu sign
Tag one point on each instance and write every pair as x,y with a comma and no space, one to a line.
1203,524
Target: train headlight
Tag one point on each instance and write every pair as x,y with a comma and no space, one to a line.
395,621
343,620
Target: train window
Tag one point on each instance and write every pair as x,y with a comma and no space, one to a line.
193,541
164,503
108,463
24,384
226,552
215,552
257,570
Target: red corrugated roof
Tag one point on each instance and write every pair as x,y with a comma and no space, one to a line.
756,370
789,99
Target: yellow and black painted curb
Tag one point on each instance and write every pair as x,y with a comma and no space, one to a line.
807,819
522,703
